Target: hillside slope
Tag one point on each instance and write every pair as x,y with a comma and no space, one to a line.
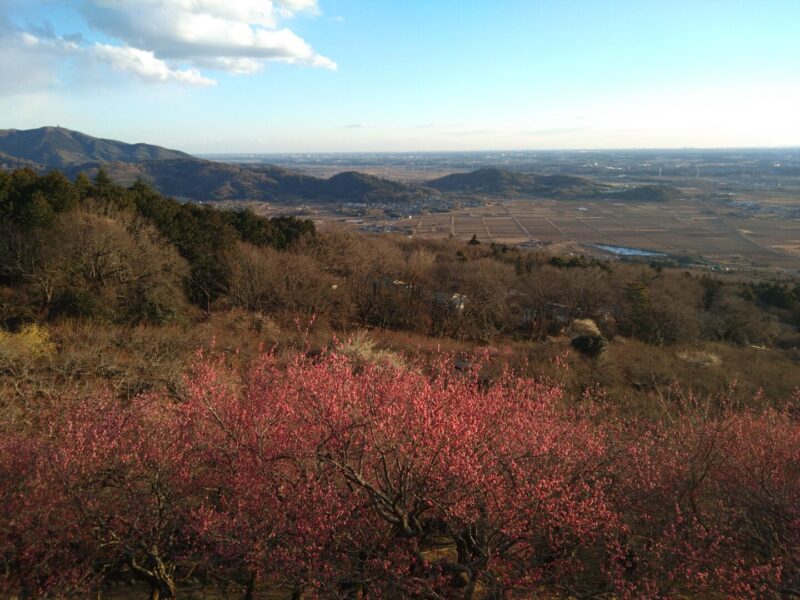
57,147
176,173
196,179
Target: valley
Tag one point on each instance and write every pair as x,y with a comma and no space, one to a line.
710,209
706,233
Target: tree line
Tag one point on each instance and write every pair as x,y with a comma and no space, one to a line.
92,249
95,249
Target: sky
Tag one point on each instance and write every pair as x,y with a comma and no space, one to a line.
261,76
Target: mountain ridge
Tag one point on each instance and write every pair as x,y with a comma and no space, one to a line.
184,176
58,147
179,174
197,179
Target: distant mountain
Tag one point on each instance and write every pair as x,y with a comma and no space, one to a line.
178,174
349,184
181,175
500,182
56,147
196,179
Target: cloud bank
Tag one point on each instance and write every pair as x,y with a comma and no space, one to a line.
166,40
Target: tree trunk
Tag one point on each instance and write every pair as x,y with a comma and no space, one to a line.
162,590
297,592
469,591
157,576
250,588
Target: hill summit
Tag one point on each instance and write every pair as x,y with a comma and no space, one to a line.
494,181
60,148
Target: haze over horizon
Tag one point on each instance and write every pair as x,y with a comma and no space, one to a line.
272,76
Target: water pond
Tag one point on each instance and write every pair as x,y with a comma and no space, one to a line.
626,251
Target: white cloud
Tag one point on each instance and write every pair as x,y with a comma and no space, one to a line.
237,66
156,41
144,64
237,37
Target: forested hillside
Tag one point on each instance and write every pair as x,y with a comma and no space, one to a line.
95,251
204,180
501,182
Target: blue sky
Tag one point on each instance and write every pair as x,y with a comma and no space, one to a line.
415,75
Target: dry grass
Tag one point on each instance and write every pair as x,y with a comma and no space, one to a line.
700,358
630,378
580,327
360,348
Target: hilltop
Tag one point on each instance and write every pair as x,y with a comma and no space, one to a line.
346,184
494,181
57,147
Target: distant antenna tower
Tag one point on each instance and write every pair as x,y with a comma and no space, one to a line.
660,170
698,171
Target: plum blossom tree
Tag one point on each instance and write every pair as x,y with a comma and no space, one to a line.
104,490
496,469
269,507
344,480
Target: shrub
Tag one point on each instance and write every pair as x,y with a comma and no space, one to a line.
360,349
590,345
583,327
32,341
76,303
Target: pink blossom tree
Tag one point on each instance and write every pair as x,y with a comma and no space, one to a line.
106,492
343,480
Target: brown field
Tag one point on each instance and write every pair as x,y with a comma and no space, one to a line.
678,228
710,230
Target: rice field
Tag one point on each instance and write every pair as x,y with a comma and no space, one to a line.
688,227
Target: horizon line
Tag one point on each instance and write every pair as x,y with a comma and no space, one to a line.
407,151
499,150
